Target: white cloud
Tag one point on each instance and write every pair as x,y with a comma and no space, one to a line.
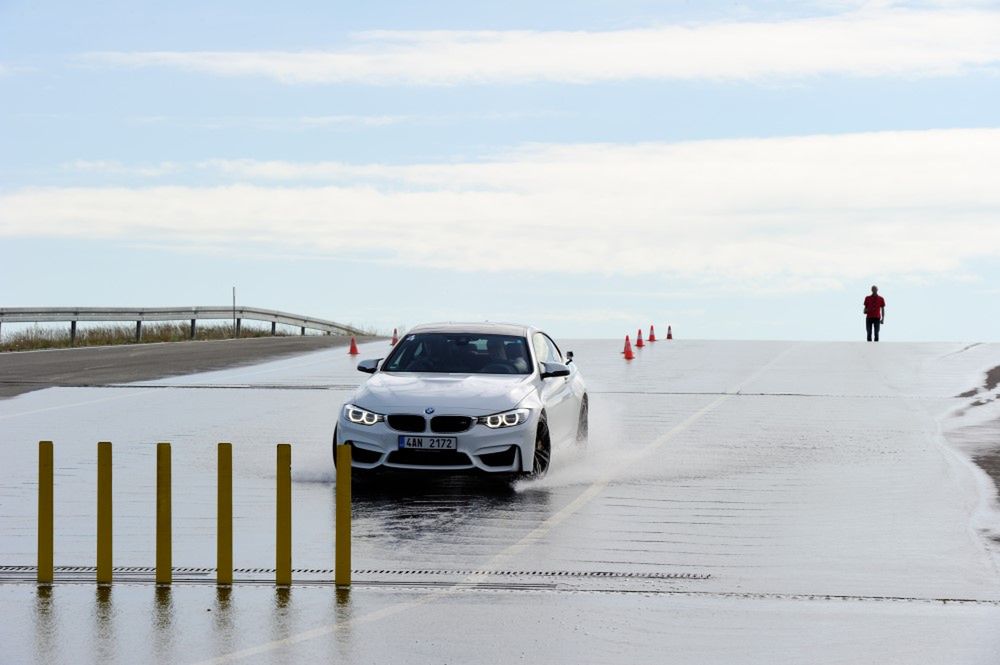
273,123
363,120
112,167
337,121
806,211
9,69
872,41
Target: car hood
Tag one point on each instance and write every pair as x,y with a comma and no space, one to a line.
462,394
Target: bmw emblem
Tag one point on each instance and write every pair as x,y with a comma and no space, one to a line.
429,410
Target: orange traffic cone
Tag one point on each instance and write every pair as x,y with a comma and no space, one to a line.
395,337
628,349
670,333
354,347
638,339
652,334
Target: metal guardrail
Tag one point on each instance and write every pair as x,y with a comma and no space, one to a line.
75,314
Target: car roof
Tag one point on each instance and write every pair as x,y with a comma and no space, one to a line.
474,328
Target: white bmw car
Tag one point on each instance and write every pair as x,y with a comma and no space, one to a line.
452,397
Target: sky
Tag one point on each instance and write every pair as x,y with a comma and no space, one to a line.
735,170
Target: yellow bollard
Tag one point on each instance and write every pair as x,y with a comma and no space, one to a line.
283,521
342,565
45,513
164,563
224,514
104,573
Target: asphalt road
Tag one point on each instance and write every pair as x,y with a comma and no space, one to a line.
738,503
24,371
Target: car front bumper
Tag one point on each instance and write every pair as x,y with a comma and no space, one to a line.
502,450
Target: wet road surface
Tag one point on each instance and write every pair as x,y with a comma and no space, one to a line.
738,502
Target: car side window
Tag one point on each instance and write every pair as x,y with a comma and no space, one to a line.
542,351
554,354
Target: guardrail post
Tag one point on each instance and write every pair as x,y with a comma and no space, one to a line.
45,512
164,562
239,324
138,330
303,331
342,565
193,327
274,328
224,514
283,525
104,557
72,333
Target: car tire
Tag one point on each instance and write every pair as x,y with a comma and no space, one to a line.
543,452
583,425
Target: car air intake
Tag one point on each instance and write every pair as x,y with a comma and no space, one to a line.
364,456
450,424
412,457
503,458
404,423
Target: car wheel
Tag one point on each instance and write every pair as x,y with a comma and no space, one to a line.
583,426
543,452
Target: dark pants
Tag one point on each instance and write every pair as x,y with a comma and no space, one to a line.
871,324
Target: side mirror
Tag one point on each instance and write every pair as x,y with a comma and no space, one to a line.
569,357
551,370
369,366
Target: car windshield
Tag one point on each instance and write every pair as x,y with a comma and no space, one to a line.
463,353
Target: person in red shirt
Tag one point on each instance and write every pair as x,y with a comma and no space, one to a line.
874,313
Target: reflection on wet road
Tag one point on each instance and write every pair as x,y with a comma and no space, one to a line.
728,491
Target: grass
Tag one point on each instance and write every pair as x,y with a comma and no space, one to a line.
47,337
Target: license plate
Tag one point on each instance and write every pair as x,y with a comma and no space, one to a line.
428,442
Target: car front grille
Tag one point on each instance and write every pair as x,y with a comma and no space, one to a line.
407,423
438,424
450,424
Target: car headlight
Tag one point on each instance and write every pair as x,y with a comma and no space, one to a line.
504,419
360,416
